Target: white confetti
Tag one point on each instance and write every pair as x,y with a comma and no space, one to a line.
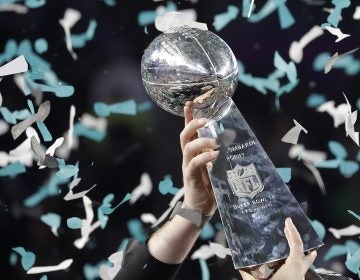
312,156
332,60
18,65
317,176
71,195
292,136
348,231
71,17
43,269
337,113
296,47
10,7
144,188
207,251
71,127
337,32
350,121
356,15
4,127
175,19
109,273
93,123
148,218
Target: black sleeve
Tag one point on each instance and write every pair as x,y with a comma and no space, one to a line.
138,264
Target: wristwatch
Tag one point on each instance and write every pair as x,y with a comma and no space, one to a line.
193,215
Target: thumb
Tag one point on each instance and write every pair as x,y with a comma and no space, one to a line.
246,276
308,261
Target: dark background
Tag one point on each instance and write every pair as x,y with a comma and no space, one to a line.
108,70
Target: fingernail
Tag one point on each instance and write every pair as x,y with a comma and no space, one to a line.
288,221
215,153
202,121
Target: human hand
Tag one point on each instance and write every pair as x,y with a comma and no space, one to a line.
197,152
296,265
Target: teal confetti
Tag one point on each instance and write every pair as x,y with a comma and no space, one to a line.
354,214
358,156
41,45
44,277
221,20
352,262
12,170
12,117
74,223
136,230
348,168
92,134
358,105
167,186
53,220
91,272
319,228
288,68
146,30
67,171
148,17
337,150
285,173
144,106
110,3
107,210
45,133
31,106
123,244
27,258
314,100
348,63
335,251
51,188
33,4
246,8
335,15
207,232
106,204
205,273
79,40
333,163
126,108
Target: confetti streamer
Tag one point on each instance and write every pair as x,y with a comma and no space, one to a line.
27,258
296,49
71,127
205,273
71,195
332,60
337,32
71,17
43,159
348,231
18,65
176,19
42,269
167,186
53,220
292,136
41,115
107,210
221,20
144,188
317,176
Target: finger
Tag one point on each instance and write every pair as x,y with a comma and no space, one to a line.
201,160
188,112
246,276
189,131
196,146
308,261
294,240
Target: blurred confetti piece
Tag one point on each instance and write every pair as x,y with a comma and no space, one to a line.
67,171
317,176
12,117
332,60
53,220
296,49
337,149
319,228
71,127
109,273
10,7
175,19
27,258
207,251
288,68
285,173
144,188
292,136
314,100
25,146
337,32
167,186
352,262
91,272
348,63
71,17
205,273
45,133
41,115
148,17
354,214
4,127
136,230
126,108
223,19
337,113
207,232
312,156
80,40
33,4
18,65
81,130
107,210
92,122
42,269
148,218
41,45
348,231
12,170
74,223
356,14
335,15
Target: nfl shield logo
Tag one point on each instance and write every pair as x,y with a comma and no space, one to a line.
245,180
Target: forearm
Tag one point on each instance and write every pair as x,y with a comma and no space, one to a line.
173,242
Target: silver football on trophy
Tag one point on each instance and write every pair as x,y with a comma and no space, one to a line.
184,63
